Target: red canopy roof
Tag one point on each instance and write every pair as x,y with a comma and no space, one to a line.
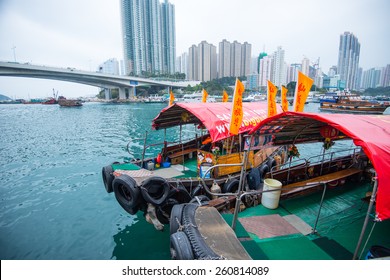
371,132
215,117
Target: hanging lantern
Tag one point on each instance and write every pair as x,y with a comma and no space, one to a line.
329,132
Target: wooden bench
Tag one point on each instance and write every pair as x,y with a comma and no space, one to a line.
177,157
317,181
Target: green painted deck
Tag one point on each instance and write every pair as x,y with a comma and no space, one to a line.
338,229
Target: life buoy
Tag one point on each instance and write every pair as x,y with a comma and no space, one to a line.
231,186
254,179
127,193
263,170
108,177
175,219
163,212
333,184
155,190
181,247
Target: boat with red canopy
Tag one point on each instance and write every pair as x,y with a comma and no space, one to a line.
322,205
169,172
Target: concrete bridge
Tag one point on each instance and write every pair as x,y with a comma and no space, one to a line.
126,84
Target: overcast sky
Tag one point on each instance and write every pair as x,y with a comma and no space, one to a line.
84,33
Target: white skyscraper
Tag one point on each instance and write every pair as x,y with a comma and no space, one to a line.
149,42
348,62
279,70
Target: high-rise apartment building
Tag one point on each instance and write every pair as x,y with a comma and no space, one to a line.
279,68
224,64
110,66
234,59
348,61
149,41
207,61
193,63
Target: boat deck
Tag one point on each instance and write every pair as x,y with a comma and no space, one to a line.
285,233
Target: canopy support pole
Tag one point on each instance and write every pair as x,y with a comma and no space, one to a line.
372,200
319,210
240,186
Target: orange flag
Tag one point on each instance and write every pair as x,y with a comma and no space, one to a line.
271,95
302,90
284,99
237,111
225,97
204,97
171,98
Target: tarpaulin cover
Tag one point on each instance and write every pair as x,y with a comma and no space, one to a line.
215,117
371,132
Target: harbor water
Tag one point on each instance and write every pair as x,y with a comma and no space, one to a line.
53,202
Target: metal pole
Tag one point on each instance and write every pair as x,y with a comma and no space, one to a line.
319,210
372,200
240,186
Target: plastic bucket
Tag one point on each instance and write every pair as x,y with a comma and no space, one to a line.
270,199
203,168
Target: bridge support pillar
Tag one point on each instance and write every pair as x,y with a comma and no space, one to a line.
107,94
122,93
132,93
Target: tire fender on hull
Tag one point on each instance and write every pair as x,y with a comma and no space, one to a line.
155,190
108,177
127,193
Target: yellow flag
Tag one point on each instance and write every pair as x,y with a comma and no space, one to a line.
271,94
171,98
284,99
302,90
225,97
204,97
237,112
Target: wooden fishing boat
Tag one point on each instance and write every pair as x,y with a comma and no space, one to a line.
317,209
169,172
63,102
350,103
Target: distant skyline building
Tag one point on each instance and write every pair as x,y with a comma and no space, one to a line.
149,38
110,66
207,61
348,60
193,63
279,69
224,59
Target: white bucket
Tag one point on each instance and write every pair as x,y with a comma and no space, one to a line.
203,168
150,165
270,199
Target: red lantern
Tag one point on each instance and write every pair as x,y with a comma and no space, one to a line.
329,132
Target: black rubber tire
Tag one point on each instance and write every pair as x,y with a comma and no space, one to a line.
271,163
175,219
253,179
231,186
196,191
199,247
204,200
155,190
180,194
127,193
108,177
163,212
181,247
263,169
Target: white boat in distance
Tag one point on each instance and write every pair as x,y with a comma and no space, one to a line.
195,97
